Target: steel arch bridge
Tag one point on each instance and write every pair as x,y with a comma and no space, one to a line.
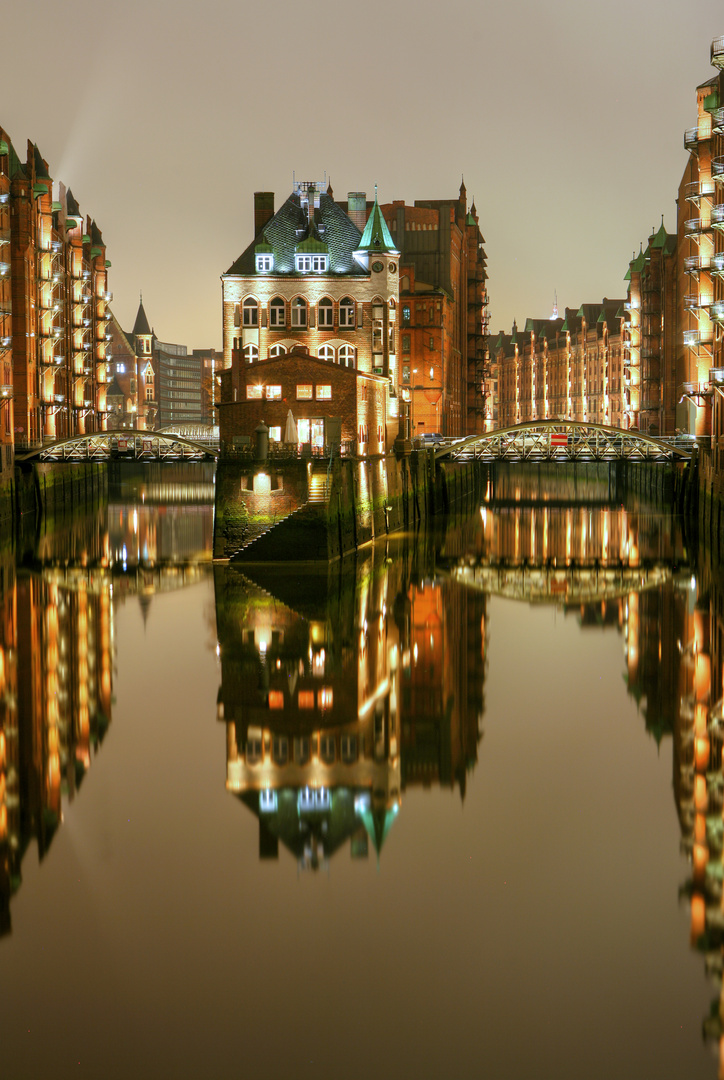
127,444
566,441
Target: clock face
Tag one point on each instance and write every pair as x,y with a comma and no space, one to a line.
378,267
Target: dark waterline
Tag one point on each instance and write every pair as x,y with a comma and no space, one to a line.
441,809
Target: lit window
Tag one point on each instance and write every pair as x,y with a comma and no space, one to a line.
324,698
277,312
377,325
251,353
276,699
348,748
326,749
120,369
304,392
346,312
326,312
264,263
305,699
251,312
277,350
304,264
275,434
253,393
348,356
267,801
273,393
319,263
324,393
326,352
406,313
280,749
299,313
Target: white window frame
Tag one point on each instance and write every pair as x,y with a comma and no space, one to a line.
250,353
250,312
323,396
348,356
277,350
273,392
326,352
277,312
319,263
264,264
303,264
347,312
325,313
299,305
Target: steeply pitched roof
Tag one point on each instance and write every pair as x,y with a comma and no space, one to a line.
141,324
289,228
376,236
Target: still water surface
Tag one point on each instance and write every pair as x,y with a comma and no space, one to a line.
451,808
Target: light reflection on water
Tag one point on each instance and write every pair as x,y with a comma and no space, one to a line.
354,702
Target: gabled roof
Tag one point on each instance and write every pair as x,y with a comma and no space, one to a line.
376,236
71,206
312,246
289,228
41,173
141,324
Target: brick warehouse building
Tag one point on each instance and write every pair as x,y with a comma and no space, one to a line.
55,326
313,280
444,357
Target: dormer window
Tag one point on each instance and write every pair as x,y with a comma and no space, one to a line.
264,264
316,264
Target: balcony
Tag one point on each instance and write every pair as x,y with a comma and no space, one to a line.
717,216
691,139
5,342
107,296
695,300
717,120
716,311
717,52
694,338
699,189
717,264
717,169
695,226
6,391
695,263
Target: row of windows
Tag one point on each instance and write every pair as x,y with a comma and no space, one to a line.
345,355
303,748
303,264
273,392
249,315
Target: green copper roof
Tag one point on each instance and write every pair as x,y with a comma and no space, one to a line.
264,247
15,166
470,220
57,207
712,101
620,314
602,317
85,238
659,241
376,235
41,173
96,251
627,275
529,327
638,263
40,189
312,245
3,147
565,328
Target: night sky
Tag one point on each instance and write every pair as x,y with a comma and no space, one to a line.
566,119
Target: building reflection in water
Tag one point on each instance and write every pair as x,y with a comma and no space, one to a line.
58,593
340,692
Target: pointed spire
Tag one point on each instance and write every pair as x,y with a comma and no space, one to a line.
141,324
376,236
329,188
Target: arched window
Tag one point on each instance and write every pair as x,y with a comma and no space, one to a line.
348,356
326,312
277,350
277,312
346,311
251,353
299,313
251,312
326,352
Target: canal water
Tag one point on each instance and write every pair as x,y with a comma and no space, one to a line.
453,807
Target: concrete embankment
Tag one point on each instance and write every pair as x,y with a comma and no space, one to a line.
53,489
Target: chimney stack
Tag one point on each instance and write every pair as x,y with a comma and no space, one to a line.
357,208
263,209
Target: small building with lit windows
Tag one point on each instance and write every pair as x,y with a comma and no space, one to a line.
317,286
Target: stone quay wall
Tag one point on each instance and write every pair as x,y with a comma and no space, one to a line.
264,512
53,489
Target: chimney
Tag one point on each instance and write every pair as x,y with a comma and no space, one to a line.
263,209
357,208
